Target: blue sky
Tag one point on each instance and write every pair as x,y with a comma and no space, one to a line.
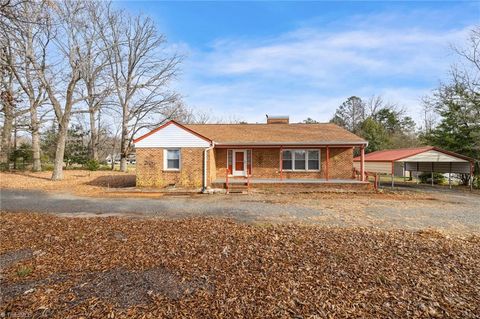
246,59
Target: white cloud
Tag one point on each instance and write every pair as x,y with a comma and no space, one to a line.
316,54
308,72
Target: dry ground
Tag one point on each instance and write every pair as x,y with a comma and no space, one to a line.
84,193
80,182
211,268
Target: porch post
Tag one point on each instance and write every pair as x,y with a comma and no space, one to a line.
362,163
227,168
281,162
327,162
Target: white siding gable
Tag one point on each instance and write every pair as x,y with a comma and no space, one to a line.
432,156
172,136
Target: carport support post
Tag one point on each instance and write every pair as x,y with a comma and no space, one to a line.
471,176
432,173
393,174
450,176
416,174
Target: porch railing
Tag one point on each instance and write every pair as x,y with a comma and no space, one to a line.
357,175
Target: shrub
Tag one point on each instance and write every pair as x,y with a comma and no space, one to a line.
92,165
47,166
438,178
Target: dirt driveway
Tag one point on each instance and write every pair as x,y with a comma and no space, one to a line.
451,212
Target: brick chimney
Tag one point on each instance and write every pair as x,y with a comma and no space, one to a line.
278,119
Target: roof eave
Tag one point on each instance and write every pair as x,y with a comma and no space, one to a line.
320,143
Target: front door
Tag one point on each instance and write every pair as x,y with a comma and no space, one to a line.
239,163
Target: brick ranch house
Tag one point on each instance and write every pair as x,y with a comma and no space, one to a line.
219,155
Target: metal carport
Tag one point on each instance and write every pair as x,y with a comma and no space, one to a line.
397,162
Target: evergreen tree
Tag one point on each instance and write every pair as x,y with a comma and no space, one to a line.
350,114
459,127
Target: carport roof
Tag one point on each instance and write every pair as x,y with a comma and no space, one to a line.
400,153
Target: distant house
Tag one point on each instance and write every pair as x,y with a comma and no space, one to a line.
202,155
131,158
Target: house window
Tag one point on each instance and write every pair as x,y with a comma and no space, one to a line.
301,160
172,159
299,163
287,160
313,160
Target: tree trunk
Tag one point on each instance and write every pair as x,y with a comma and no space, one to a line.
123,153
60,151
124,141
123,163
93,137
6,135
37,164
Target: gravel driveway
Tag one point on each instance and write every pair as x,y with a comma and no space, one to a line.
167,207
455,212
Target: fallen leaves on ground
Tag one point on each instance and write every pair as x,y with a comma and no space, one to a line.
210,268
80,182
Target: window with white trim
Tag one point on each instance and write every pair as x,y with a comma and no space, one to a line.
172,159
301,160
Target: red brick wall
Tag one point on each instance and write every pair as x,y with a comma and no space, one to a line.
150,171
341,162
266,164
212,172
221,162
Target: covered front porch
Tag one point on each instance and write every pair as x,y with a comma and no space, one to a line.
287,164
242,184
236,180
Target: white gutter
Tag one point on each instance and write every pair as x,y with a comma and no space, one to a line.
205,152
339,143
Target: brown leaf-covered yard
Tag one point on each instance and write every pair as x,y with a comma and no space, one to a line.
118,267
303,255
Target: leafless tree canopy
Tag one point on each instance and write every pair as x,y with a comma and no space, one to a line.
83,58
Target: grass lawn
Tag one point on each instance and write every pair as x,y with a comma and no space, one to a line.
213,268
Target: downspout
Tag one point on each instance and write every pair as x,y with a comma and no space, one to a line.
205,154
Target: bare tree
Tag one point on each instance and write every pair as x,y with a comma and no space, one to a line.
10,100
466,75
9,10
140,69
95,78
376,102
428,114
26,33
64,67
